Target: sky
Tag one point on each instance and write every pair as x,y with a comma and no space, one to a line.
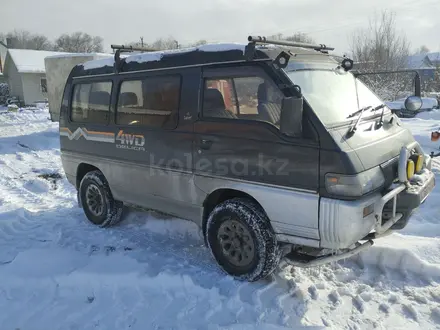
122,21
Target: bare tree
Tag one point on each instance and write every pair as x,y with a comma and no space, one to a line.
165,43
298,37
22,39
79,42
379,47
422,50
158,44
199,43
301,37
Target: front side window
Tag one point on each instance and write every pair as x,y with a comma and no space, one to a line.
152,101
91,102
332,94
250,97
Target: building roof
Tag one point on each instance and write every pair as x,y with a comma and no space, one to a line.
434,57
419,62
30,61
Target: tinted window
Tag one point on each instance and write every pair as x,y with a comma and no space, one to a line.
152,101
253,98
91,102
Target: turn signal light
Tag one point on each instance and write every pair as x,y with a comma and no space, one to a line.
368,210
410,169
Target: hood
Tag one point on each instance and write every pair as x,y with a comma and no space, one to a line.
374,146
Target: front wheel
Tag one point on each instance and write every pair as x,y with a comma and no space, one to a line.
241,239
97,201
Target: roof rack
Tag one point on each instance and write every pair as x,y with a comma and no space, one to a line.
264,40
121,48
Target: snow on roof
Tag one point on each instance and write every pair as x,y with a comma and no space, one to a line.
30,61
157,56
419,62
434,57
99,63
66,55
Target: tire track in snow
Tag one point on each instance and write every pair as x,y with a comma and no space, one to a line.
384,295
178,272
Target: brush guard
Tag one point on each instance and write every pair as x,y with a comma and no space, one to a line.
381,228
304,261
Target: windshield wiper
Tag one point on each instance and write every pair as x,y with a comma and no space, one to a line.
361,111
380,106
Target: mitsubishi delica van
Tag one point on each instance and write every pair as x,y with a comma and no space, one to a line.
277,150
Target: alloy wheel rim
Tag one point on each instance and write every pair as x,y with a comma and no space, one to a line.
236,243
94,200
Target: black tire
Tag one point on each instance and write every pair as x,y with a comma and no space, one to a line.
110,213
266,252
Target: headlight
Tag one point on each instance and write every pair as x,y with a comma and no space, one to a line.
354,185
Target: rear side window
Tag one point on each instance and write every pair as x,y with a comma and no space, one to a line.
91,103
152,102
248,97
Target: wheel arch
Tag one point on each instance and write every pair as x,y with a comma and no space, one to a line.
82,170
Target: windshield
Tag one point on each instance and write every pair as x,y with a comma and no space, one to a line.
332,94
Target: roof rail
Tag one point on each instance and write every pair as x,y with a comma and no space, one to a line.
264,40
121,48
131,48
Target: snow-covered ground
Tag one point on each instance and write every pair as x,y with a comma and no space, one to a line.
151,272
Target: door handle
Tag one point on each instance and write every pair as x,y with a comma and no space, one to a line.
205,144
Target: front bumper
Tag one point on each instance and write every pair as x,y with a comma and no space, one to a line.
402,200
412,194
343,223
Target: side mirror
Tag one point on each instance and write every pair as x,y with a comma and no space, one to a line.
291,116
413,103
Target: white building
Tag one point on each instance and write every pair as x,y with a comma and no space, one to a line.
24,71
3,51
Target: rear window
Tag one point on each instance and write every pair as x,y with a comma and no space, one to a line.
152,101
91,103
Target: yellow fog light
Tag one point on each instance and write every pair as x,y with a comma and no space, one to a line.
410,168
419,163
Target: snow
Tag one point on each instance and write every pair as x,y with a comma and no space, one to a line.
428,103
420,62
98,63
157,56
30,61
68,55
153,272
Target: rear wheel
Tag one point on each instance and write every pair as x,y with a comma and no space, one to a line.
241,239
97,201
